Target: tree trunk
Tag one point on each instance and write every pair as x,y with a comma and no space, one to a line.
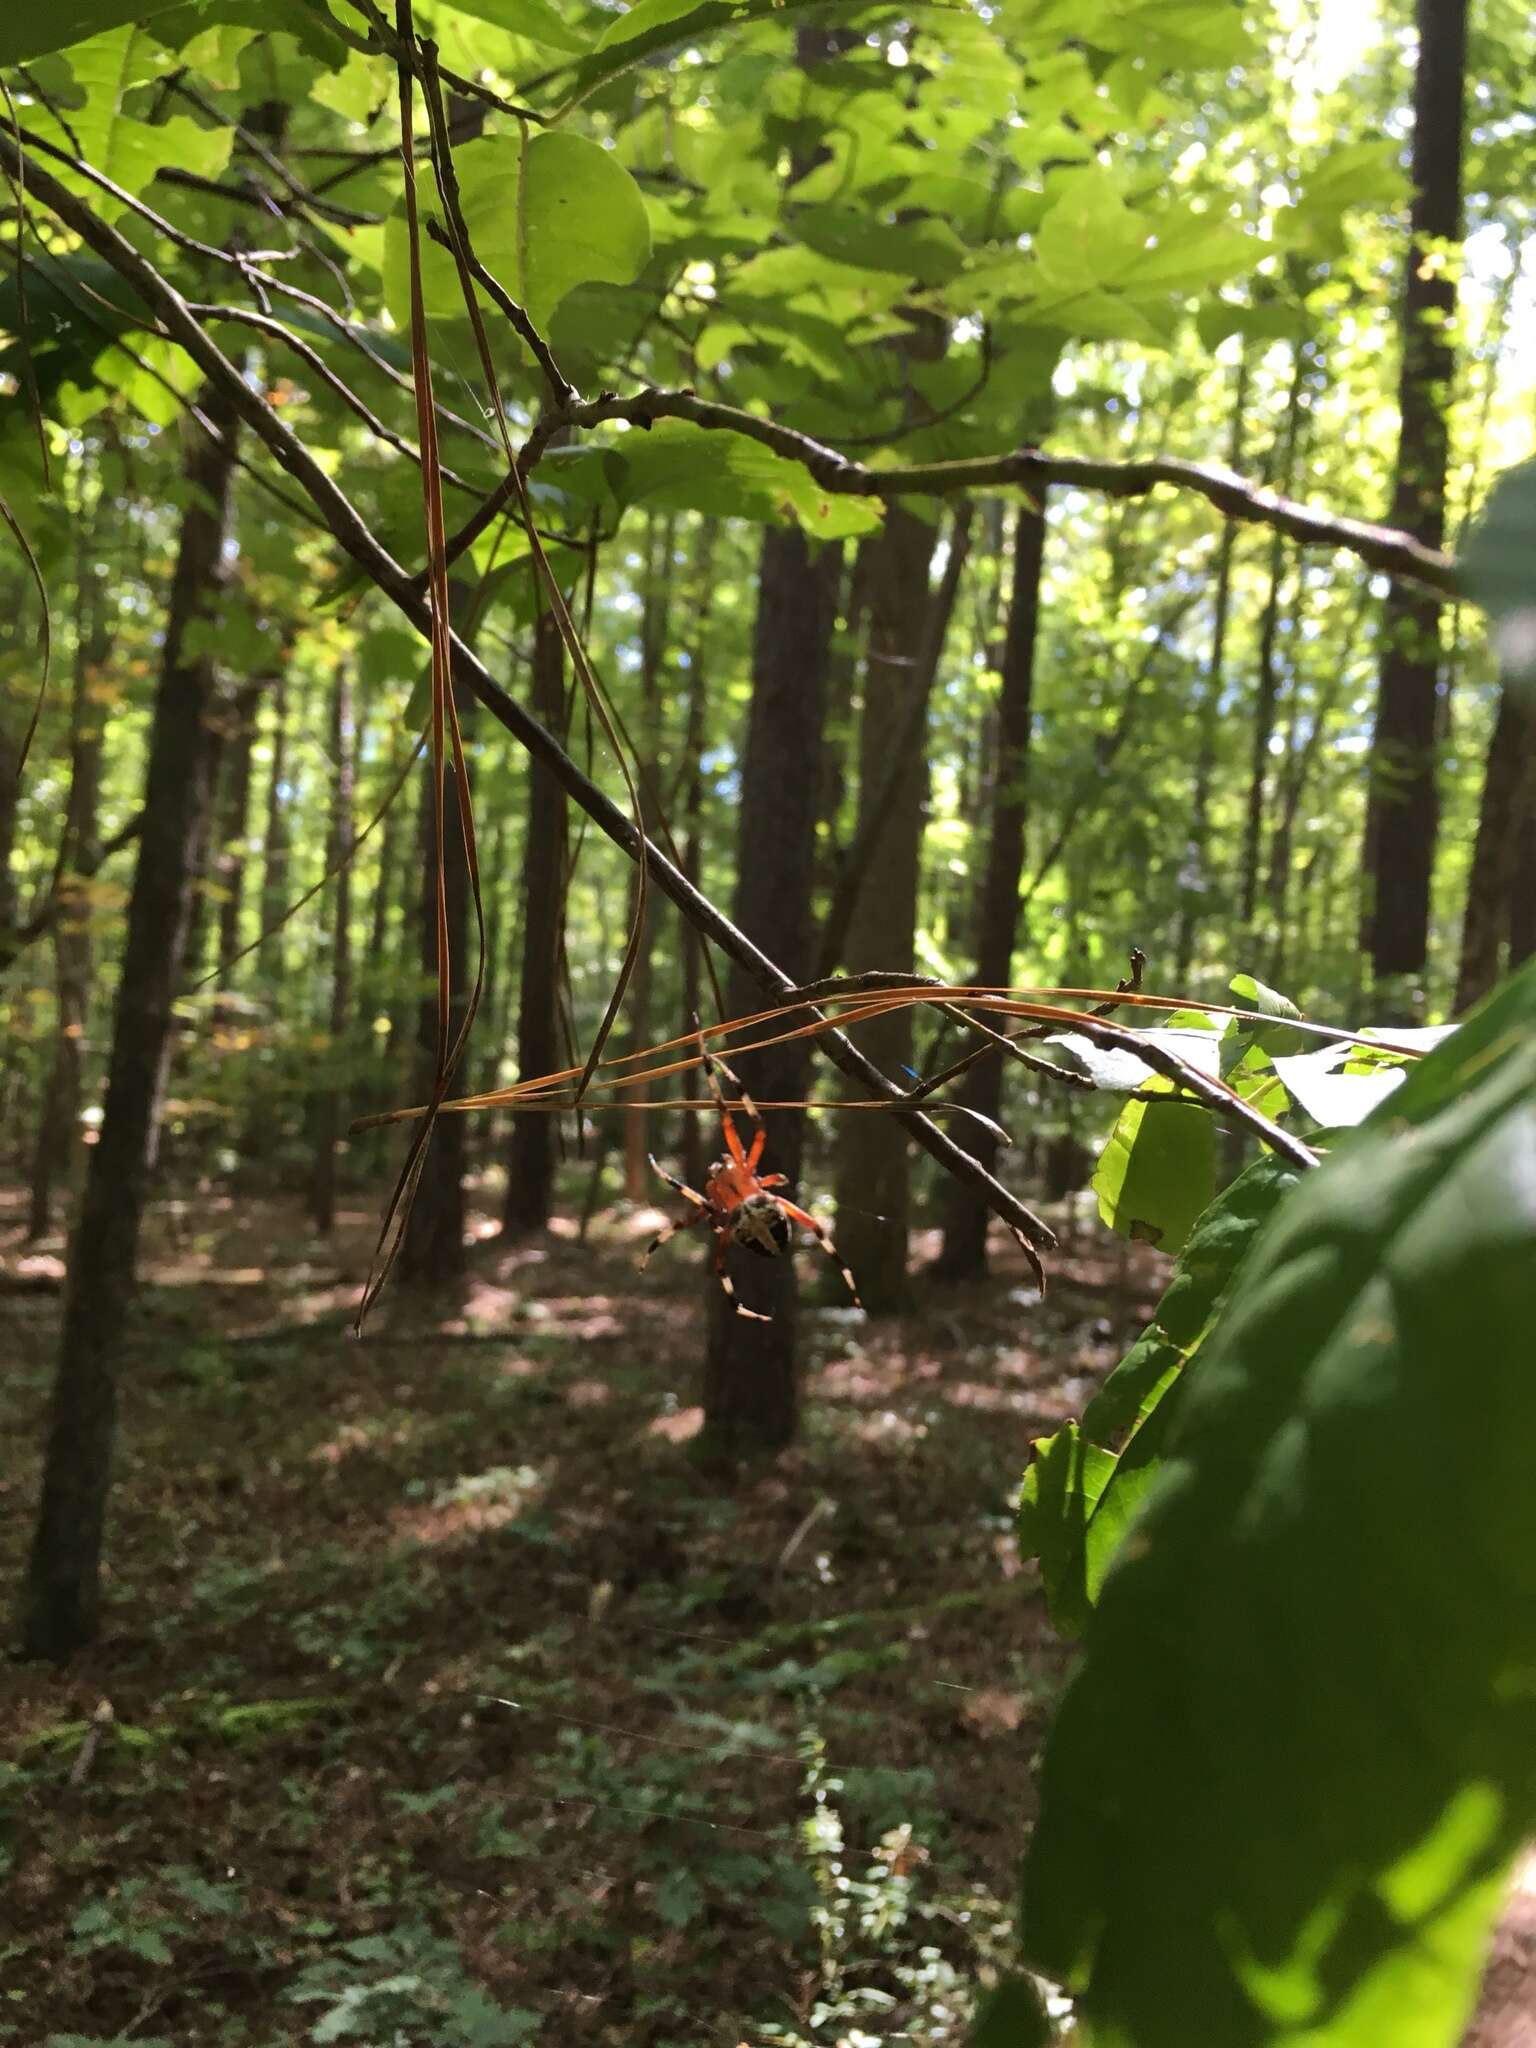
433,1254
328,1119
751,1385
1403,809
873,1209
1522,897
1509,793
1195,882
61,1597
531,1149
655,616
57,1148
234,828
695,731
274,878
964,1256
1266,695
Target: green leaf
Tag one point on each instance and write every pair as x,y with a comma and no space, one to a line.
1283,1790
1496,568
927,252
1010,2016
1079,1495
535,19
1063,1486
1218,1243
1157,1172
580,217
682,467
654,26
679,1897
127,150
36,28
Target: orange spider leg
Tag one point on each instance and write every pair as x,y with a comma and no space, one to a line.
823,1237
714,1067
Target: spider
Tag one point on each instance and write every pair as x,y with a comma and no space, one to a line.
738,1204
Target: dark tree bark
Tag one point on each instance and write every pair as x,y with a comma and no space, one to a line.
531,1148
964,1256
60,1607
1403,810
1522,896
328,1117
751,1386
1196,881
433,1253
873,1207
1509,795
56,1150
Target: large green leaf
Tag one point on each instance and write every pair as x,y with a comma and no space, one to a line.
580,218
535,19
1284,1788
1496,568
129,151
678,466
654,26
1084,1484
1157,1172
36,28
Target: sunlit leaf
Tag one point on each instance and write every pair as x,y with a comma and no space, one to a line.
1157,1172
581,218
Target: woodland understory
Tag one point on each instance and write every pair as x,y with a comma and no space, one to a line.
768,1089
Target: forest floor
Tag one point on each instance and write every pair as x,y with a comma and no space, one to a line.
443,1698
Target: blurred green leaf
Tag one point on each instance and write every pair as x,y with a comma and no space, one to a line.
1282,1793
1497,568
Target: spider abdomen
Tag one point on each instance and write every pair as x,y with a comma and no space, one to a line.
761,1226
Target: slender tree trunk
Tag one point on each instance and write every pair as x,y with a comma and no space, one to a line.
695,729
1522,895
328,1119
57,1147
531,1147
274,880
1403,809
655,620
1509,793
1301,763
61,1598
234,826
1196,881
873,1209
1266,696
433,1254
964,1256
751,1385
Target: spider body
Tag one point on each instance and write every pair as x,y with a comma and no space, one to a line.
738,1204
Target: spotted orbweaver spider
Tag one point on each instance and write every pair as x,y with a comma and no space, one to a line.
738,1203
